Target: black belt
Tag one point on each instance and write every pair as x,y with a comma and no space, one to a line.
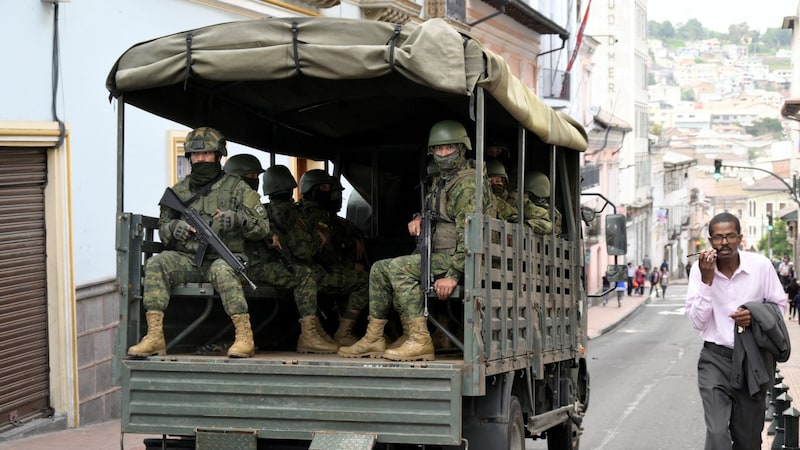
718,349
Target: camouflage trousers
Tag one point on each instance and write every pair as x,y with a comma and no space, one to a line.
299,280
343,280
397,281
168,268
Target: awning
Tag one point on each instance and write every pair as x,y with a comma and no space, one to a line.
791,109
525,15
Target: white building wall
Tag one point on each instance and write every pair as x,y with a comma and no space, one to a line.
92,34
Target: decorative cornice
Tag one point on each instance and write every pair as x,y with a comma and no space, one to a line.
392,11
323,3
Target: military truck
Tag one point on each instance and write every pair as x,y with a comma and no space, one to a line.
361,96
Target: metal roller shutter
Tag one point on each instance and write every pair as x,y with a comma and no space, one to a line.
24,371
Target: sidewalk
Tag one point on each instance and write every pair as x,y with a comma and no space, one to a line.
601,319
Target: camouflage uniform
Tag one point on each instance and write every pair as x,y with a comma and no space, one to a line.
289,269
537,218
335,273
174,266
397,280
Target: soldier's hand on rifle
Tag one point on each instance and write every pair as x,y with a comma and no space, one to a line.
275,242
181,230
415,225
444,287
229,220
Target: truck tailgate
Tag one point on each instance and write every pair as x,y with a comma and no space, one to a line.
292,396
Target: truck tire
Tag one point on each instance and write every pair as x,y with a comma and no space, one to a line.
562,437
497,434
516,426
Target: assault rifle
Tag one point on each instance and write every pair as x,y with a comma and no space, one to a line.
424,248
204,234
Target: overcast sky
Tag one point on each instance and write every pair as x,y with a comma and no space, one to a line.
716,15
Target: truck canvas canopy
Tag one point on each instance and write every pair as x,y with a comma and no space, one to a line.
310,86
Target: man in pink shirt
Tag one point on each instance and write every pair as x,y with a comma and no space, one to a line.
722,280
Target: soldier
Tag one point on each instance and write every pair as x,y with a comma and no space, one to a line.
246,166
336,274
537,204
499,180
236,213
397,281
285,260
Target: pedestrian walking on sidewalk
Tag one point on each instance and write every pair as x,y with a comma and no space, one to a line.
663,281
731,290
792,289
620,292
796,302
655,277
631,277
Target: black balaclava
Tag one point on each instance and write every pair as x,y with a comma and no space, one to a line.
204,172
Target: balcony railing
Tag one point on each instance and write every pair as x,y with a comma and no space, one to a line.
554,84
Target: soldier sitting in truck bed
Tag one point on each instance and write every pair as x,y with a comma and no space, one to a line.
396,281
285,261
237,215
335,274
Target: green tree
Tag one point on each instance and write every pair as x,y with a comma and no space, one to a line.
780,243
692,30
739,33
775,38
687,95
667,30
767,125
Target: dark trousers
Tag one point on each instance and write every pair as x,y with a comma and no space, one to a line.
630,285
734,419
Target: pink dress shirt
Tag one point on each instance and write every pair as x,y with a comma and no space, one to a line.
708,307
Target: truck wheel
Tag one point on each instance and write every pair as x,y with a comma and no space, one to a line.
508,434
560,437
516,426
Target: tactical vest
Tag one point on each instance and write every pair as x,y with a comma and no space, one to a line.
445,238
222,196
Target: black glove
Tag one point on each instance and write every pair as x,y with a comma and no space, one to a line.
229,220
181,230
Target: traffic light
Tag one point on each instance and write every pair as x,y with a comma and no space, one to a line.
769,222
717,169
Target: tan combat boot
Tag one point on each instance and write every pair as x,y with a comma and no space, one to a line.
324,334
153,342
402,339
418,346
312,338
372,344
344,335
243,346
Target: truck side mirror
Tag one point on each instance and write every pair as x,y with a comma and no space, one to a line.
616,235
616,272
587,214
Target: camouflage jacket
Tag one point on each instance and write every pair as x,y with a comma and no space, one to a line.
453,198
227,193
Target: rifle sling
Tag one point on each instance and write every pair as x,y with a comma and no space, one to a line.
203,190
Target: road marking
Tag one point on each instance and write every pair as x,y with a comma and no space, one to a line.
679,311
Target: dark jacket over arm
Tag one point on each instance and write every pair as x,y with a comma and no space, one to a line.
758,346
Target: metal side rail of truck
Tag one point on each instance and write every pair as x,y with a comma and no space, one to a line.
510,359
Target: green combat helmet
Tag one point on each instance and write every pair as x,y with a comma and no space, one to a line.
495,168
537,184
448,132
315,177
243,164
204,139
278,180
